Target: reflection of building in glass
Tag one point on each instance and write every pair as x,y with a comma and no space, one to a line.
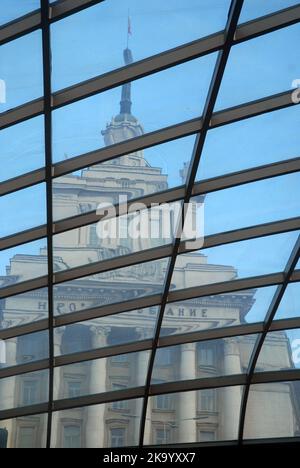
204,415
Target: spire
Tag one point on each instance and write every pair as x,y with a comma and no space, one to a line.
125,103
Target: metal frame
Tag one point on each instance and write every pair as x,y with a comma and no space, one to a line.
157,253
48,160
231,25
222,41
168,196
290,266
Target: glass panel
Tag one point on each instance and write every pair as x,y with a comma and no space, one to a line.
21,70
259,58
22,148
253,257
217,311
280,350
152,28
24,262
159,100
24,390
132,176
23,349
101,375
111,330
98,426
273,410
289,304
24,308
13,9
250,204
142,230
23,210
203,359
24,432
114,286
192,414
252,142
255,8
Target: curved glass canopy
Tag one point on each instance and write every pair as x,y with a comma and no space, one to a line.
149,265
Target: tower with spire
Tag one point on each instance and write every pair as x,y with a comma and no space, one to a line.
125,125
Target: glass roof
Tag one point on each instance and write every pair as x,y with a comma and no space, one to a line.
149,235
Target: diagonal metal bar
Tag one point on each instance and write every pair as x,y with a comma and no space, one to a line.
61,9
167,196
231,25
17,28
290,266
45,10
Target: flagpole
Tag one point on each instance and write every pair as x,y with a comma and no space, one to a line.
128,20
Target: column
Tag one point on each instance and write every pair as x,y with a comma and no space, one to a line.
9,398
232,395
58,388
187,410
141,375
95,424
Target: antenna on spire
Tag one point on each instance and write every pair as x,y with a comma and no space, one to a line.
129,30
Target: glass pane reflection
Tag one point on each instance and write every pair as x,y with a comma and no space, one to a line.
23,210
203,359
217,311
254,203
227,262
289,306
13,9
24,432
101,375
143,229
273,410
256,8
197,416
24,390
106,425
249,73
256,141
169,24
111,330
22,148
114,286
21,70
280,351
24,308
132,176
159,100
23,349
24,262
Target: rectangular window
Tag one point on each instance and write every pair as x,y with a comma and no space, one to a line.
162,436
74,389
119,358
30,389
94,239
206,436
119,405
117,437
207,400
27,437
72,436
206,354
164,402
